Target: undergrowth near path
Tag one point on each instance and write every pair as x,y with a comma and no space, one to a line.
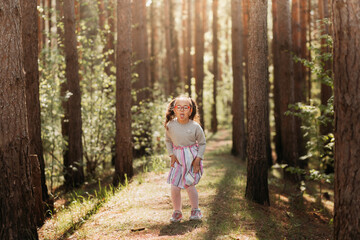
142,209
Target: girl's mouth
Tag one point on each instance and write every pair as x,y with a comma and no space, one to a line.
182,115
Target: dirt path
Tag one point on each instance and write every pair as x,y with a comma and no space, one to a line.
143,209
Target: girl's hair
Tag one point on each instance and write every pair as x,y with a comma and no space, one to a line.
170,114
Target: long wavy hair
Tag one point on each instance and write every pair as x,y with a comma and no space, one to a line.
170,114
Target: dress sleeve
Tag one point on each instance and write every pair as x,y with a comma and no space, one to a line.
169,143
201,141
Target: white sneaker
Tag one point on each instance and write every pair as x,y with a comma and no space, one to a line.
196,214
176,216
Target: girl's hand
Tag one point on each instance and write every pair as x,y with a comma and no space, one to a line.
196,164
173,160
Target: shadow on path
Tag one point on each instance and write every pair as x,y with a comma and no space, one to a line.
173,229
222,218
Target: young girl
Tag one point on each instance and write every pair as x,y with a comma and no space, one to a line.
185,142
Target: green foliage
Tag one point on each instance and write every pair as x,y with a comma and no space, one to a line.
314,115
52,74
97,100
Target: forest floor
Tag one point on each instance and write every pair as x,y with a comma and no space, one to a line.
142,209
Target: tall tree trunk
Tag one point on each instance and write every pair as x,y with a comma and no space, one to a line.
238,135
188,57
169,56
309,51
140,52
199,59
326,91
276,82
110,39
102,15
74,175
299,79
123,162
214,121
257,166
303,36
245,15
16,189
347,114
153,54
40,30
30,46
286,83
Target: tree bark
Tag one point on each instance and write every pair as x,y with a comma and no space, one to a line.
123,161
140,50
214,122
245,14
299,79
188,47
110,39
276,82
153,53
30,46
199,59
171,71
74,173
17,202
286,83
257,166
326,91
347,115
303,42
238,135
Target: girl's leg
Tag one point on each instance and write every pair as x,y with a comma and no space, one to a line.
193,196
176,197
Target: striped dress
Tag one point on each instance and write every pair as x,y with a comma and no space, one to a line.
186,142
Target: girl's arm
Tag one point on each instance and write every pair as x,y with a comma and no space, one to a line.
200,138
168,142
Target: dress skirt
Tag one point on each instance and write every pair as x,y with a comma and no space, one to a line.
182,175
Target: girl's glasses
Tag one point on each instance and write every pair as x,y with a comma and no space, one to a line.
185,108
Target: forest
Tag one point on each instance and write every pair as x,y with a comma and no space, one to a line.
84,91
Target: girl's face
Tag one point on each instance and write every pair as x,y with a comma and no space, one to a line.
182,110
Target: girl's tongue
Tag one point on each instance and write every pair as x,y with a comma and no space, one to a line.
182,116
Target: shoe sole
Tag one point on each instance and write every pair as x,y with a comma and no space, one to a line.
175,221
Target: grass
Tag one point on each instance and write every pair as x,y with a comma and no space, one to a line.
143,208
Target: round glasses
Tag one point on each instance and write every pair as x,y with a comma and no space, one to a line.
185,108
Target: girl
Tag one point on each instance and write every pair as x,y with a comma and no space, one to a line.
185,143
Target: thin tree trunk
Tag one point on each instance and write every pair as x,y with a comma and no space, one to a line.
188,47
303,47
326,91
110,39
276,82
238,135
16,189
140,52
30,46
286,83
347,114
123,162
199,59
40,30
171,71
245,14
309,51
299,79
257,166
153,54
74,175
102,14
214,122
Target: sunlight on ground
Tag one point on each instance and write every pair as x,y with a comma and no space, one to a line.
142,209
